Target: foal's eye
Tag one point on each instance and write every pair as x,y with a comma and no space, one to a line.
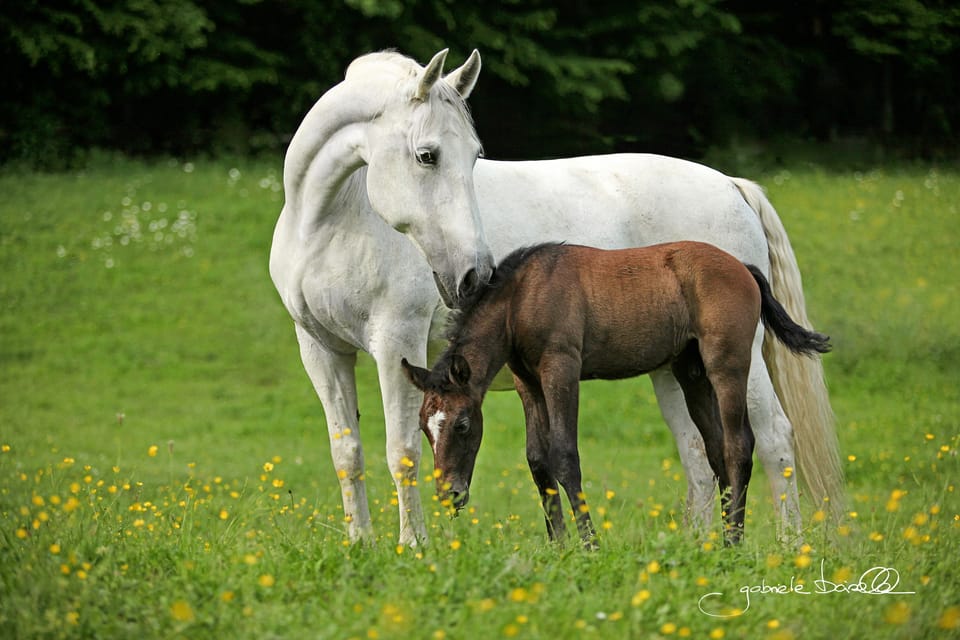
461,426
427,156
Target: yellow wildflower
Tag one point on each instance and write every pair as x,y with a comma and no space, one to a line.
518,595
182,611
897,613
950,619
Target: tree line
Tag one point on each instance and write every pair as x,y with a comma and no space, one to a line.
559,77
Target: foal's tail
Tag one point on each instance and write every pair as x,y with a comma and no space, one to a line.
775,317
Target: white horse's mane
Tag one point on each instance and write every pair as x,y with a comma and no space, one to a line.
403,64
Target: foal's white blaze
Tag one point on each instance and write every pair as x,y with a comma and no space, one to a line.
434,423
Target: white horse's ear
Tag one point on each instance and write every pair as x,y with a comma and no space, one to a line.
464,78
430,75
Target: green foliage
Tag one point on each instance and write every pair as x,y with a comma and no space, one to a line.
165,471
916,33
97,41
678,76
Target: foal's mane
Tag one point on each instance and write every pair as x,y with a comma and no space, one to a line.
502,275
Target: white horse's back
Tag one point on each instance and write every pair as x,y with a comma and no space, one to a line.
615,201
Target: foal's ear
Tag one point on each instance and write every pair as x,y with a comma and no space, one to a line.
416,375
459,372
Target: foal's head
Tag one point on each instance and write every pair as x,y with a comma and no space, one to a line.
450,416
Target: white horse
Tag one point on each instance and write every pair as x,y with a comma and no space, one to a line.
392,149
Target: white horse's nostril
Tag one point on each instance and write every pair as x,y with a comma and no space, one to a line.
469,285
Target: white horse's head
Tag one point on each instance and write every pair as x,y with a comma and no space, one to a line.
420,151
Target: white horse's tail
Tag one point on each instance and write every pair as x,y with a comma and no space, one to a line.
798,381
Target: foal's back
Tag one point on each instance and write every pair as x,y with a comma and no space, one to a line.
629,311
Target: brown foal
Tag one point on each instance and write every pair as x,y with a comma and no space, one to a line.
557,314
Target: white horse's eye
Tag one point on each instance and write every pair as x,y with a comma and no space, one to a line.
427,156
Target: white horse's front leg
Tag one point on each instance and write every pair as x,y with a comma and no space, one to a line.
333,376
774,443
401,409
701,481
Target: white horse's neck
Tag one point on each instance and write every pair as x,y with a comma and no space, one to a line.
324,153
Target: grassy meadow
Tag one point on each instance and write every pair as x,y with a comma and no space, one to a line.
165,472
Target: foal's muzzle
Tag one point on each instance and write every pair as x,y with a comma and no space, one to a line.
458,499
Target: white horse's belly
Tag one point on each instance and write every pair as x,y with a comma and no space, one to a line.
615,201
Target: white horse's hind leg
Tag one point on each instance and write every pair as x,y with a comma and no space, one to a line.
401,407
333,377
774,444
701,482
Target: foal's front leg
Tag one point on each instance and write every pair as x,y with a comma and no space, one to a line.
560,380
538,455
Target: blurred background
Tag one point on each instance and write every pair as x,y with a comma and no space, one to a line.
878,78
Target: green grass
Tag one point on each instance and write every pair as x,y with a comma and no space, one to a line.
165,471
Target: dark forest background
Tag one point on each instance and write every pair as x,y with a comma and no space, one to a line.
560,77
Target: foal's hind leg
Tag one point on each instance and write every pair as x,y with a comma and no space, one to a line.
538,455
716,400
727,363
702,406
